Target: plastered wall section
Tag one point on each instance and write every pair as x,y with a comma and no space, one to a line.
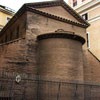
3,18
91,68
94,36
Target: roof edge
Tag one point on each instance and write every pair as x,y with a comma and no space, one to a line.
74,13
26,7
56,17
59,3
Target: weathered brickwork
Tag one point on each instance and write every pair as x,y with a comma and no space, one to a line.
21,54
18,57
16,30
41,25
17,53
60,59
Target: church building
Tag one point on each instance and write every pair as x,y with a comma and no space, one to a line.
44,55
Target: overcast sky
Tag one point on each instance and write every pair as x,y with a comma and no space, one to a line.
16,4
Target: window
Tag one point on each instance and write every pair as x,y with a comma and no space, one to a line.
8,19
74,3
6,38
85,16
88,40
17,33
11,35
83,0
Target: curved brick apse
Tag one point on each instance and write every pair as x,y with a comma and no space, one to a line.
60,56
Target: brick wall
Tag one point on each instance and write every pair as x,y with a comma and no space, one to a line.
17,53
17,57
60,59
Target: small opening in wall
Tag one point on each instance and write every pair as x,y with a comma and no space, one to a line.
83,0
8,19
74,3
17,33
85,16
11,35
88,40
6,38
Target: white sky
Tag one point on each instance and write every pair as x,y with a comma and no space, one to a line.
16,4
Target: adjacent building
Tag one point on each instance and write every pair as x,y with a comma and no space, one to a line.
5,15
90,11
